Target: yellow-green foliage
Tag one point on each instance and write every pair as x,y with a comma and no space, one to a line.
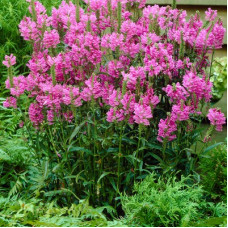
219,77
36,213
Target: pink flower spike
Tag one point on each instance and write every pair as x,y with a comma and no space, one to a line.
9,60
217,118
10,102
142,114
210,14
166,129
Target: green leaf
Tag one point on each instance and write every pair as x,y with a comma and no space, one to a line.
63,190
82,149
4,156
103,175
113,184
76,130
156,157
113,150
154,146
211,222
211,147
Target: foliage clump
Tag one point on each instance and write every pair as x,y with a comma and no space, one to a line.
114,90
219,78
168,202
35,212
213,170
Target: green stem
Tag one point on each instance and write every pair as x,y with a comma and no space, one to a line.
119,12
94,146
119,157
53,144
164,149
34,15
10,75
212,58
77,11
138,146
174,5
53,74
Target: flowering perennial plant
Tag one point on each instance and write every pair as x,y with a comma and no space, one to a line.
115,68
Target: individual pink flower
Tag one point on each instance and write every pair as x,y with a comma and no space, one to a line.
207,139
68,116
166,129
198,86
51,39
180,112
112,41
9,60
142,114
148,39
35,113
19,85
111,115
217,118
216,36
10,102
114,98
29,29
149,99
93,89
21,124
128,102
136,74
210,14
176,92
50,116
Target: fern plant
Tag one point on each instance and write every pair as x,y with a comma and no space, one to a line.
168,203
35,212
14,160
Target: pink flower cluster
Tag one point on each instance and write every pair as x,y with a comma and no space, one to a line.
9,61
130,67
216,118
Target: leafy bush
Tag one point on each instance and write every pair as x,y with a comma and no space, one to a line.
219,77
168,203
15,158
112,93
213,170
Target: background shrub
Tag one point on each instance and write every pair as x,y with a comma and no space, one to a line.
219,77
213,169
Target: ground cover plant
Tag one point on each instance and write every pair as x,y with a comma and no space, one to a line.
113,96
170,203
